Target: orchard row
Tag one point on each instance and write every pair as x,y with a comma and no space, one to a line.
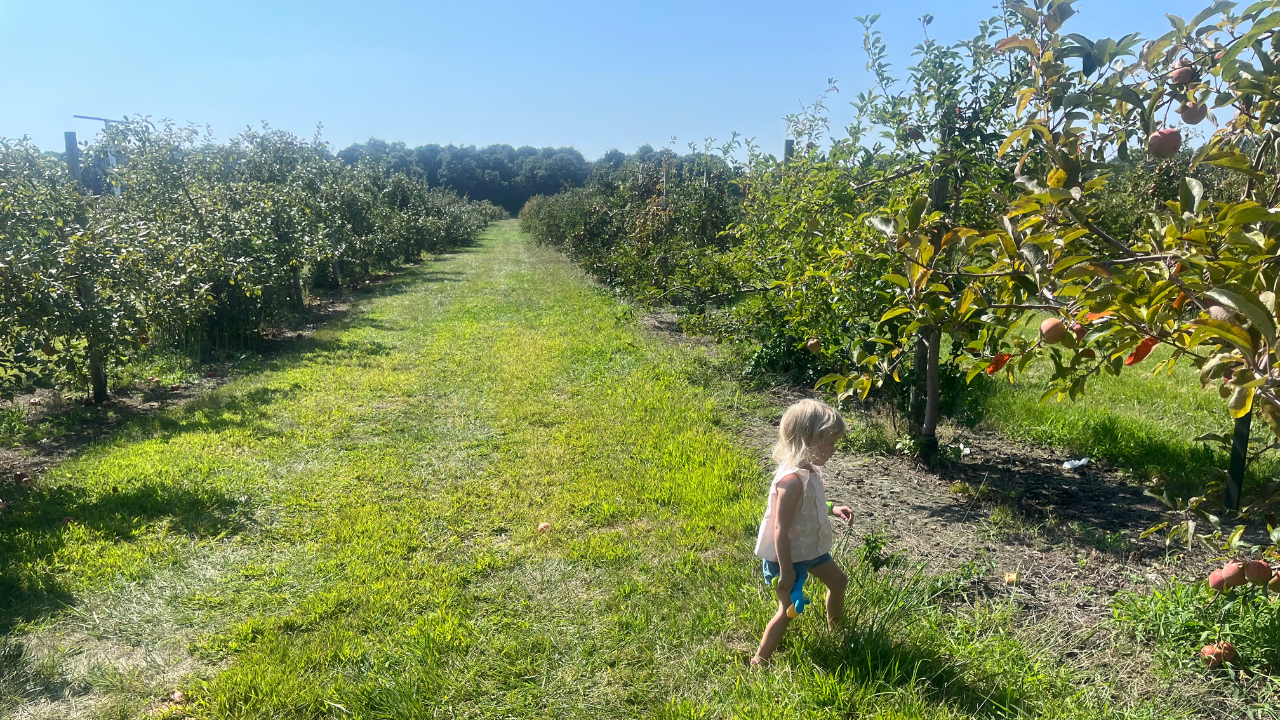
172,236
1027,177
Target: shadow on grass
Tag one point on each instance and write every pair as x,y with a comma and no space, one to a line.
889,600
36,528
1140,446
871,659
75,428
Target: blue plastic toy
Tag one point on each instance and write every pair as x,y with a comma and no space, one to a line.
798,600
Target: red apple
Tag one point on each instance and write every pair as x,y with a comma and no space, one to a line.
1165,143
1216,582
1215,655
544,527
1233,575
108,403
47,350
1193,113
86,402
1184,75
814,345
1257,572
1053,331
175,388
1274,585
68,520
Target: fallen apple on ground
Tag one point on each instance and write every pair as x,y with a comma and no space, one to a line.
1218,653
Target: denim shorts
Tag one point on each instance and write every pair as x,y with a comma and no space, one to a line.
771,567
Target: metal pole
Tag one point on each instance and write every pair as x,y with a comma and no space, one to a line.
789,151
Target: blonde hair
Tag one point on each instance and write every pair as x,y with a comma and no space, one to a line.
804,425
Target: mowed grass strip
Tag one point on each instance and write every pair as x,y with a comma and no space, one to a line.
1144,421
353,533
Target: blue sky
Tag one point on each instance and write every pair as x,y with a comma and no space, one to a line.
593,75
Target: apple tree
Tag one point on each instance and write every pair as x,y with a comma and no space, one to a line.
1198,275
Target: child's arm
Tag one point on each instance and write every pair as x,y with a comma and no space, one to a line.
790,491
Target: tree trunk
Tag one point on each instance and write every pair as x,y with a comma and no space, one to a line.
929,431
337,273
299,300
919,386
1239,462
97,373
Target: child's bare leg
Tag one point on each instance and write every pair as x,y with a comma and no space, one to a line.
836,581
772,635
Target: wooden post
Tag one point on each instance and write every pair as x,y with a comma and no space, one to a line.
789,151
73,155
1239,462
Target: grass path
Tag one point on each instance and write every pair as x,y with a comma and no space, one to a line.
352,532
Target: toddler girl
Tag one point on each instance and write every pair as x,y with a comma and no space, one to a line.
795,535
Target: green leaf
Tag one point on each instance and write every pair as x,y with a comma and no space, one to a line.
1017,42
1153,530
897,280
915,212
1235,161
1229,332
895,312
1190,191
1015,136
1229,62
826,379
1209,437
1258,317
1241,402
1209,12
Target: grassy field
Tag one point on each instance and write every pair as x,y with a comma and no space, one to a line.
352,532
1141,421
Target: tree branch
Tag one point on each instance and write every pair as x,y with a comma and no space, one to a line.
888,178
1100,233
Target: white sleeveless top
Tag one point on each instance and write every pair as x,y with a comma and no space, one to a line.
811,532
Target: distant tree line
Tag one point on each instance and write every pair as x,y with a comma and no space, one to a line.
501,174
